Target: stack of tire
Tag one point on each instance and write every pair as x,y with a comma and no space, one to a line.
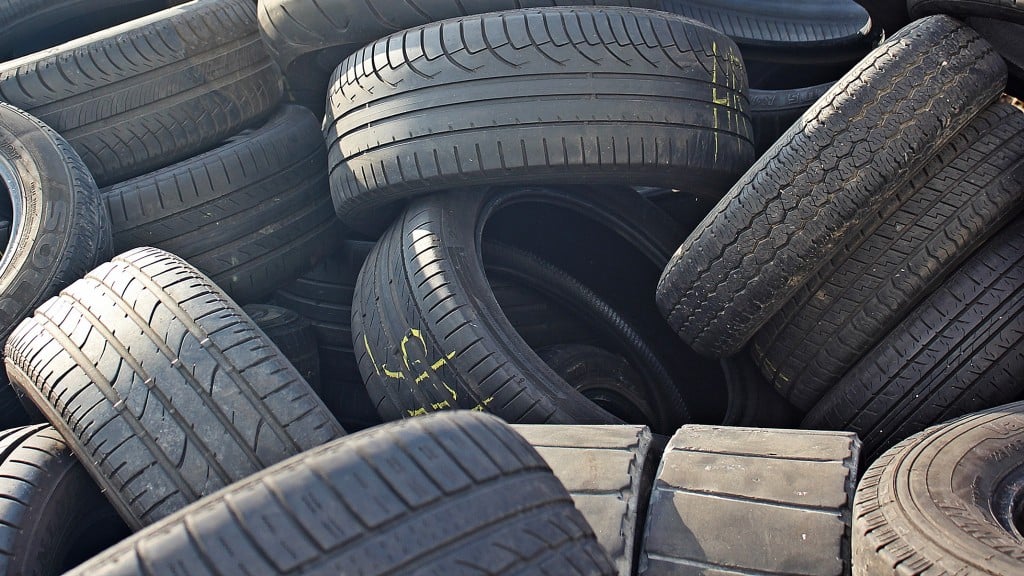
495,207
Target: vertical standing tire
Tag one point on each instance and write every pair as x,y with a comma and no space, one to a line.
294,336
1008,10
162,385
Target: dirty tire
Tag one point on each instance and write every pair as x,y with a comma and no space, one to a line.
796,488
152,91
608,470
960,350
813,191
428,331
966,193
161,384
28,26
52,515
1007,10
323,295
294,337
944,500
1005,38
60,229
753,401
251,214
497,101
447,494
772,112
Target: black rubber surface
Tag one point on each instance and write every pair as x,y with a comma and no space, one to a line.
162,385
252,213
540,96
1005,37
816,187
150,92
945,501
1006,10
294,337
772,112
960,350
967,192
446,494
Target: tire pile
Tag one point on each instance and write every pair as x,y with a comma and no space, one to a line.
287,287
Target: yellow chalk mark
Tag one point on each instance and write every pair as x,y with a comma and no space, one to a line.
441,405
413,333
417,412
451,391
423,376
391,373
480,407
437,365
366,343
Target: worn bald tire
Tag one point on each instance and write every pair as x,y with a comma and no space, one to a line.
293,335
60,229
52,515
825,178
252,213
162,385
153,91
752,501
960,350
1008,10
608,470
447,494
500,100
946,500
966,193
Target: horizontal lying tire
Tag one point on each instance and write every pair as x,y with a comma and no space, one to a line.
608,470
538,96
28,26
752,501
825,177
1008,10
960,350
945,500
162,385
52,515
252,214
448,494
59,228
428,331
772,112
294,337
966,193
152,91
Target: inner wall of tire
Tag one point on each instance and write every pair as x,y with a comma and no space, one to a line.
623,273
11,195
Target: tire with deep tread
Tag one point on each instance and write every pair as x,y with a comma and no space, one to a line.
1007,10
848,154
794,489
294,337
60,229
967,192
162,385
251,214
52,515
153,91
448,494
960,350
488,99
945,501
608,470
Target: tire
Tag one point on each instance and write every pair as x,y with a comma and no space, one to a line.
794,487
1007,10
1005,37
960,350
323,295
536,125
52,515
943,501
252,213
753,401
772,112
59,227
886,15
448,494
423,299
28,26
816,187
967,192
162,385
293,335
608,470
151,92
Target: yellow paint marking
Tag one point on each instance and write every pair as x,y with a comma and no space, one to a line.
437,365
480,407
366,343
455,396
441,405
423,376
391,373
414,333
417,412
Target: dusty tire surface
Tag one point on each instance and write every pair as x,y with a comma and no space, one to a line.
945,500
162,385
792,210
1007,10
445,494
153,91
